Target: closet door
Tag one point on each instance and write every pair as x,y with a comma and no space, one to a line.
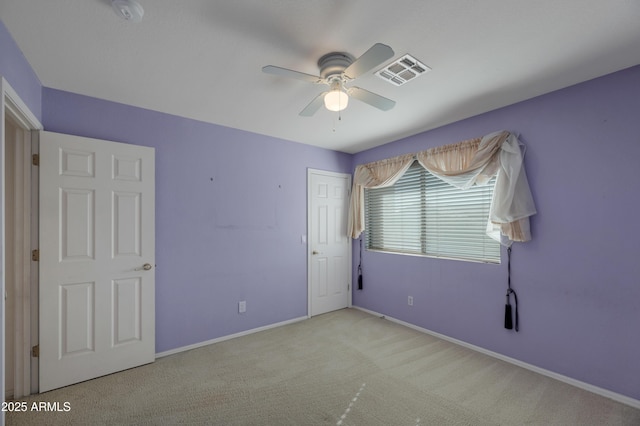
329,245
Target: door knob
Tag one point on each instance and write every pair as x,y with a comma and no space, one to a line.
147,266
315,252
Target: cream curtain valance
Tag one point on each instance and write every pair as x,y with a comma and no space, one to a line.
373,175
462,164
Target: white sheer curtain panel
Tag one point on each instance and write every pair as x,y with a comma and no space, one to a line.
512,200
373,175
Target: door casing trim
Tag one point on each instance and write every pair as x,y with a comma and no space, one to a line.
11,105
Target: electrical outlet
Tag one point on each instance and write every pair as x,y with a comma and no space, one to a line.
410,301
242,306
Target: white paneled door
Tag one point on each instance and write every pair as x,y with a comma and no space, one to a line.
97,253
329,246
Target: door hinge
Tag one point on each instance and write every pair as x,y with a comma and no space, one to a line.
35,255
35,159
35,351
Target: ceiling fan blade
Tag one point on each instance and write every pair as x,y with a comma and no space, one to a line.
371,98
313,106
284,72
377,54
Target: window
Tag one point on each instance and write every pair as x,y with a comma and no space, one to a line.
422,215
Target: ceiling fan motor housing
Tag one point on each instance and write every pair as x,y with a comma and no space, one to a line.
334,63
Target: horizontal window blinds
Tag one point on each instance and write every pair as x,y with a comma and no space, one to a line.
420,214
394,217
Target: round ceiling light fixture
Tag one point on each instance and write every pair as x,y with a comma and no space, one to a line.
336,98
129,10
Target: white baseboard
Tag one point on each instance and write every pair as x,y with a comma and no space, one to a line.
577,383
231,336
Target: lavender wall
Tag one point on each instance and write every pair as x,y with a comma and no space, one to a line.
17,71
578,281
230,212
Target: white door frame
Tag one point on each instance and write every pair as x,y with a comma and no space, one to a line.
12,106
309,242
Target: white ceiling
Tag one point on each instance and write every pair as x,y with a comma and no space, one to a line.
202,59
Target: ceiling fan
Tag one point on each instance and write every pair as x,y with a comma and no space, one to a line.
337,69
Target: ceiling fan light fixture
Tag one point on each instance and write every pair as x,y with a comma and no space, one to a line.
129,10
336,100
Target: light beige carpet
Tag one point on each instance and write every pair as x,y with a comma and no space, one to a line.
341,368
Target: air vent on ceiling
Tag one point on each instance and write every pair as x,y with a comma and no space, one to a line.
402,70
